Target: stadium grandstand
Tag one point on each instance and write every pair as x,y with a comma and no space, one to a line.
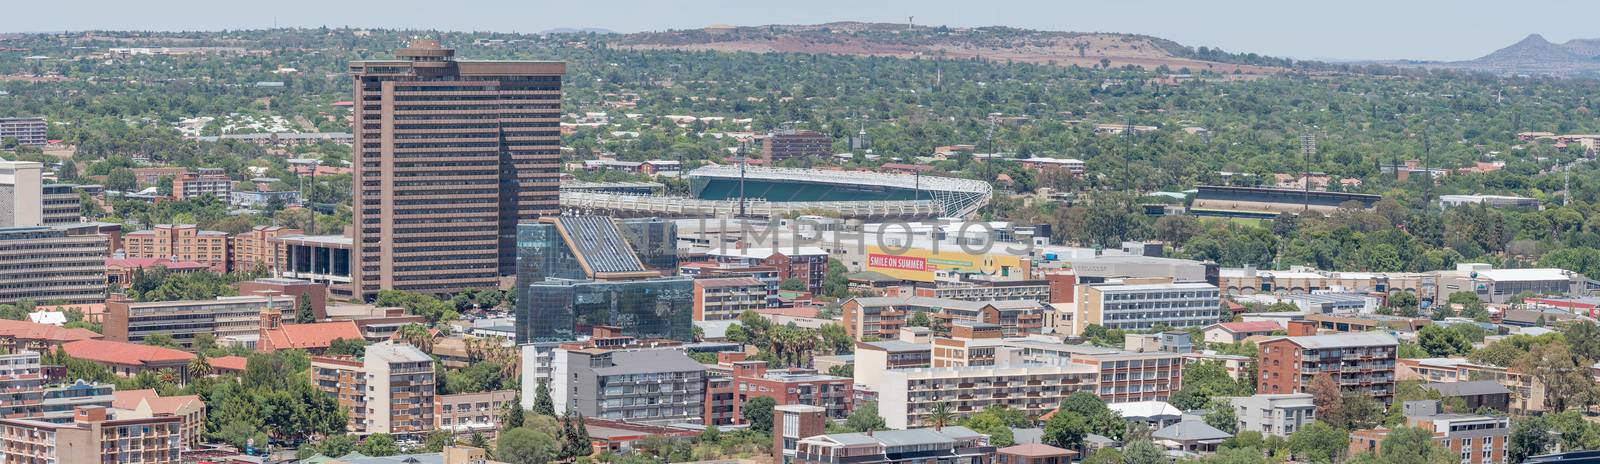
783,192
1256,202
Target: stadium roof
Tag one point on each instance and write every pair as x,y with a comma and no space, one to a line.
959,197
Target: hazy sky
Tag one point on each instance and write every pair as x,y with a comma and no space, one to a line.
1346,29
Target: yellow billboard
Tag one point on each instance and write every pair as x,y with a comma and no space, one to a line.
918,264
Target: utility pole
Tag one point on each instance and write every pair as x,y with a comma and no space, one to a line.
1308,145
1127,155
988,172
1427,168
742,158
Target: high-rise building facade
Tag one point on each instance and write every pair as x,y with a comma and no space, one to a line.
205,181
389,390
449,156
21,199
27,131
61,204
47,264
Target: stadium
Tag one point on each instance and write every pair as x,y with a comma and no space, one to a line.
785,192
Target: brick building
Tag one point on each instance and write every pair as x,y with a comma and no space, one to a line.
181,242
205,181
791,386
92,436
256,248
1361,363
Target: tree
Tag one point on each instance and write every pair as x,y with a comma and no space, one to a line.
379,445
758,413
1404,303
1530,436
1320,443
1442,342
940,416
1105,455
1407,445
122,180
1566,377
1144,452
792,284
1065,430
1222,417
1100,419
305,314
418,336
1203,382
865,418
161,340
348,347
1328,399
524,445
542,404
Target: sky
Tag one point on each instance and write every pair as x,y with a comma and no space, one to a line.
1336,30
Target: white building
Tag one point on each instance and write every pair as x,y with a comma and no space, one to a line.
1144,304
907,397
1279,415
21,194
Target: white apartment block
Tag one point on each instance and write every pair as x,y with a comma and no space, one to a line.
1144,304
1274,415
907,397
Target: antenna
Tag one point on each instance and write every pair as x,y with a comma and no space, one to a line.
987,170
1127,154
1308,145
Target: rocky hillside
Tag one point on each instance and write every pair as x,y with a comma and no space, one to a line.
1535,55
992,43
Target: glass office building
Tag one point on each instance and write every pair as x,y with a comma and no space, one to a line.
655,240
561,309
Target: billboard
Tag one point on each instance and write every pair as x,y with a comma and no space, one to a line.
921,265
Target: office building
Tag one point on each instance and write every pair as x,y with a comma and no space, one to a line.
21,194
579,272
256,248
27,131
323,259
875,358
143,404
52,264
204,181
906,398
1361,363
390,389
1145,304
785,144
882,317
655,240
92,436
1274,415
616,377
181,242
791,386
726,299
488,127
954,444
61,204
228,318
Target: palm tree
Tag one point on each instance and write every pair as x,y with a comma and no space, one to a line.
418,336
199,366
940,416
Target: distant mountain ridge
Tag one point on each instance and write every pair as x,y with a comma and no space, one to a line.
579,30
1535,55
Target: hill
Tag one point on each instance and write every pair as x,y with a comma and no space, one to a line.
990,43
1535,55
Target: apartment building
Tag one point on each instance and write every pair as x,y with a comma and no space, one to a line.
46,264
389,390
27,131
875,358
228,318
1527,391
1121,376
1145,304
204,181
1274,415
969,344
615,377
882,317
142,404
180,242
22,336
469,413
256,248
752,379
792,423
490,127
1476,439
766,274
809,264
92,436
1361,363
988,290
907,397
727,298
24,394
953,444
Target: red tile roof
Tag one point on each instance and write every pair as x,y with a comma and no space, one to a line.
159,405
1246,327
228,363
28,330
312,335
1033,450
123,353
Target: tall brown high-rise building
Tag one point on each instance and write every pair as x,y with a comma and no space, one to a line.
449,156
